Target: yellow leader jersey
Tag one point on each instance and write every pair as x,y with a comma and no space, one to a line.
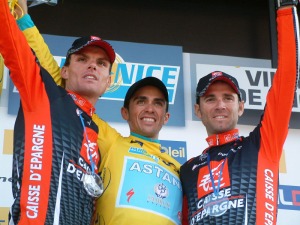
141,184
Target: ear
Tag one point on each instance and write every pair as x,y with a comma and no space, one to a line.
197,111
108,81
125,113
167,117
64,72
241,108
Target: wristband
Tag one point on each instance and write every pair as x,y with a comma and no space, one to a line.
280,3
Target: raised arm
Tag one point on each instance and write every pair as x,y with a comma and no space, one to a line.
36,42
281,95
19,59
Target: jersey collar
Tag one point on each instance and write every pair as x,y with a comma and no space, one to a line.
144,138
223,138
84,104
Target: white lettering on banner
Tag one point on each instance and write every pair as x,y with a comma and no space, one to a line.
281,199
131,72
160,173
289,197
37,149
127,73
269,197
175,153
254,83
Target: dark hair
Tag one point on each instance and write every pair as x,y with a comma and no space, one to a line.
68,60
197,99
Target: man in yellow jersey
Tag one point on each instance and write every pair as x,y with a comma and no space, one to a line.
141,184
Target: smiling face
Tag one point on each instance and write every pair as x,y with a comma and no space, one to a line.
146,113
88,73
219,109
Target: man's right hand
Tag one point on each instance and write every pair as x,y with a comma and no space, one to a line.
21,9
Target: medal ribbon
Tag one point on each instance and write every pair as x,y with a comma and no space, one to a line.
216,189
93,183
79,112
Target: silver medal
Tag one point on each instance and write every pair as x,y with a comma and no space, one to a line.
93,184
